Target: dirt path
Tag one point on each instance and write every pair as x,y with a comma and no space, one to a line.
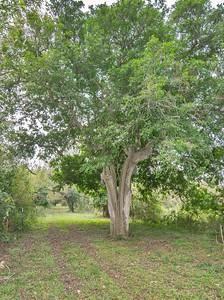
3,252
57,239
82,238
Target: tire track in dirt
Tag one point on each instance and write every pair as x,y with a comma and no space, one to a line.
75,235
83,239
57,239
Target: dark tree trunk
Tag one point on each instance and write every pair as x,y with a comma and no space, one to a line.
106,211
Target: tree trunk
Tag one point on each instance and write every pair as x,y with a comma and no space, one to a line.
106,211
119,191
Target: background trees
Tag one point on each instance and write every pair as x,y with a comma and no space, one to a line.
41,197
73,170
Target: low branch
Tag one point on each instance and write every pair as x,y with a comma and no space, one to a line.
32,172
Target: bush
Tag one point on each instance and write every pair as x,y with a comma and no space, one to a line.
21,191
201,207
100,203
146,205
7,207
77,201
41,197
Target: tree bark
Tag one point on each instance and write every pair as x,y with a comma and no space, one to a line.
106,211
119,190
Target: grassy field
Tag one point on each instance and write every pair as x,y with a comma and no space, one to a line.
71,256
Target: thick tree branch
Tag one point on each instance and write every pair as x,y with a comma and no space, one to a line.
142,154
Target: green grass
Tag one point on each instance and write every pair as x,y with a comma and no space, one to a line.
71,256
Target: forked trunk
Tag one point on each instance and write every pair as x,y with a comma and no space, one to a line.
119,214
119,191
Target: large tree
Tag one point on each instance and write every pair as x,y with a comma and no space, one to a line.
115,83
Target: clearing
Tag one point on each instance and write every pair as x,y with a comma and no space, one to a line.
71,256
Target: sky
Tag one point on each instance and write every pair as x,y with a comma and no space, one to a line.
170,2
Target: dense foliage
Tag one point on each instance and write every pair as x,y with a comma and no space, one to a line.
41,197
17,210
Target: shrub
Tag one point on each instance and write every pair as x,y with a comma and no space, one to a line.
41,197
7,207
146,205
100,203
21,191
